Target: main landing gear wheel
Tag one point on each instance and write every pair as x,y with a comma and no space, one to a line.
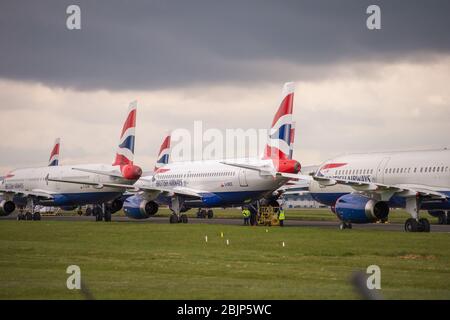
107,216
424,225
28,216
36,216
412,225
173,218
184,218
345,225
210,214
21,216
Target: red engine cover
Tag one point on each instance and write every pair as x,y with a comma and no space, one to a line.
288,166
131,172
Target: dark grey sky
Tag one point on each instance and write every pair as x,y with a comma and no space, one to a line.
163,44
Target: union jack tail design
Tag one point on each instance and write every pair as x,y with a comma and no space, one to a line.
125,150
291,147
164,153
279,141
54,155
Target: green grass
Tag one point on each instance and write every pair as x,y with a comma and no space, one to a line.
160,261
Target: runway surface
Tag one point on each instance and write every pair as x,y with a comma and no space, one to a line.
229,221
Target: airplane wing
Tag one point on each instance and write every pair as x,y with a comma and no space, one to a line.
264,170
183,191
33,193
105,173
96,185
384,190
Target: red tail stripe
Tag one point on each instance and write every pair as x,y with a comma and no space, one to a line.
121,160
333,165
274,153
165,144
286,107
130,122
55,150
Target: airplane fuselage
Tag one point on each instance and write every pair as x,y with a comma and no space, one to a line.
219,184
417,169
33,181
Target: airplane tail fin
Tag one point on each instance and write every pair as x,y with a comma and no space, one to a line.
54,154
279,140
125,149
291,146
164,153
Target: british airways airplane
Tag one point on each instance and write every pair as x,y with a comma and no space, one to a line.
34,186
217,183
361,188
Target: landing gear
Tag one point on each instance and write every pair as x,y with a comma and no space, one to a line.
28,216
36,216
345,225
173,218
107,216
210,214
98,214
20,216
415,223
421,225
176,207
183,218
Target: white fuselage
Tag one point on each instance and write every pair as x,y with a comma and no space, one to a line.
34,181
231,185
428,169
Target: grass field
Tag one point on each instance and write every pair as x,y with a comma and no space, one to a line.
160,261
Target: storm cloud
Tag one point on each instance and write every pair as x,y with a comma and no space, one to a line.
224,63
163,44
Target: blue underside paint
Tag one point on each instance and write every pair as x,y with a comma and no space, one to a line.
75,199
209,200
330,199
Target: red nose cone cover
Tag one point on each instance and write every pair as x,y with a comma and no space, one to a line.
289,166
131,172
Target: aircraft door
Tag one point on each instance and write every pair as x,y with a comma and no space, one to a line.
242,178
380,170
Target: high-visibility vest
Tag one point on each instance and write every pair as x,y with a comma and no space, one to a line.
246,213
281,216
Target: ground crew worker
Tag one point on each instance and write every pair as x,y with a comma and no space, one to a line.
281,216
246,214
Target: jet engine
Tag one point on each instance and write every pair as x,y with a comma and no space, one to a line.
357,208
115,205
136,207
6,207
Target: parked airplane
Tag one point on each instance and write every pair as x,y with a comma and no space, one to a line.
217,183
361,188
36,186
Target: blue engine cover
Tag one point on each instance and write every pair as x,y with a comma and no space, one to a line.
211,199
357,208
132,208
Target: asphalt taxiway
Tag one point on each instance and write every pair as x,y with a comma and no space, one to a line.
232,221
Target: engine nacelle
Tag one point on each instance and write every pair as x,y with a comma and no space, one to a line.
288,166
7,207
137,208
357,208
115,205
131,172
